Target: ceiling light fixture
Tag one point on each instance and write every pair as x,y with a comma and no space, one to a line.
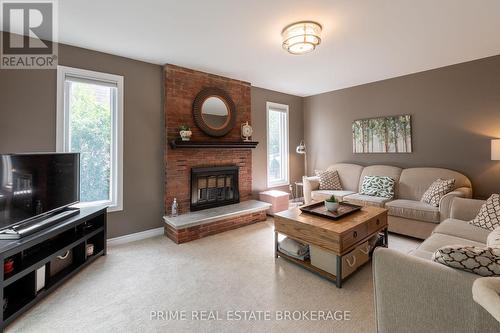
301,37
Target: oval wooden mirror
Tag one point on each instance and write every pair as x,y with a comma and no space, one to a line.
214,112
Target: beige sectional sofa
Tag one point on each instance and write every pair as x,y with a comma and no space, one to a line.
407,214
415,294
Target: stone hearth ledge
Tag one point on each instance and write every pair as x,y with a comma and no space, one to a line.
210,215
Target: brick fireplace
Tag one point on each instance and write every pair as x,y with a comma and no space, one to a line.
181,87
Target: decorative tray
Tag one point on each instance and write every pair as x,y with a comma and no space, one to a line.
319,209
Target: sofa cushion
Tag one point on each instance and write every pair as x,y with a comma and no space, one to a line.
415,181
329,180
462,229
437,190
493,238
414,210
366,200
481,260
489,214
321,195
437,240
378,186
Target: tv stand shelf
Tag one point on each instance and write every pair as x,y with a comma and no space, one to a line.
70,237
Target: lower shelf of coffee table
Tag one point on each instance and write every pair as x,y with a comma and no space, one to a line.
307,265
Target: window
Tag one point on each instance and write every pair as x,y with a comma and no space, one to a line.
277,144
90,121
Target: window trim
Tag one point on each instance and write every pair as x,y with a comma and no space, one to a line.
62,127
285,108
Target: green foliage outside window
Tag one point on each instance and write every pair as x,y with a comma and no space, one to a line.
90,133
274,145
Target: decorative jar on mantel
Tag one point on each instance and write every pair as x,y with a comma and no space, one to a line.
185,133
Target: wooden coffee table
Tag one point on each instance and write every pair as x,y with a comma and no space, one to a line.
338,237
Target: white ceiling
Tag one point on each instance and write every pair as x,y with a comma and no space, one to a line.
363,40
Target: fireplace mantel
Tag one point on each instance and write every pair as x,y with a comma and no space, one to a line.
176,144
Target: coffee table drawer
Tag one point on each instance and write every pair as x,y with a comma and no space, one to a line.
376,223
354,236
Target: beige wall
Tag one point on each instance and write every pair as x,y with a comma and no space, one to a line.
28,117
296,131
455,109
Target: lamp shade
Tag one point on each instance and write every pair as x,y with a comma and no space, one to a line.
301,37
301,148
495,150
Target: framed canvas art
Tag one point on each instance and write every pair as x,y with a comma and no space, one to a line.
382,135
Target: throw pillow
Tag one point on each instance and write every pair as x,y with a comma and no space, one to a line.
437,190
484,261
493,239
378,186
329,180
489,214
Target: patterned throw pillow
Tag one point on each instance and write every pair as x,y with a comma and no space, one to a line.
437,190
484,261
378,186
329,180
489,214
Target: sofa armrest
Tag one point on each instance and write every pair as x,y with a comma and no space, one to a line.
309,184
486,292
465,209
417,295
447,199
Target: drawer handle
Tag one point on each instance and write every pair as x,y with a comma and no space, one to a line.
353,261
63,256
355,234
378,222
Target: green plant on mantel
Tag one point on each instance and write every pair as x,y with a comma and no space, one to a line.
331,199
184,128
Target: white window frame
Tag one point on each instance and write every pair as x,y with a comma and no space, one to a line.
284,108
62,129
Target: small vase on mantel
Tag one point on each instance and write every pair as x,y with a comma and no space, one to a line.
185,133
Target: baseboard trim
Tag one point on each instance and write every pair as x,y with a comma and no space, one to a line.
136,236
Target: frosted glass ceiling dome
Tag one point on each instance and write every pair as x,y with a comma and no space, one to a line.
301,37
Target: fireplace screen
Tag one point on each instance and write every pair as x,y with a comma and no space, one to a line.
213,187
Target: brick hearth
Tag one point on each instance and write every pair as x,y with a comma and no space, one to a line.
196,225
181,87
188,234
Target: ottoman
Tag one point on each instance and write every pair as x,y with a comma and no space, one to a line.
278,200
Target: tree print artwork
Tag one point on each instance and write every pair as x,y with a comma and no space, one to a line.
382,135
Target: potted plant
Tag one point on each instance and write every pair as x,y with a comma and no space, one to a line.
185,133
332,204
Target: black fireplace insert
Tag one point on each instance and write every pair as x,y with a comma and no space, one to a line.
214,186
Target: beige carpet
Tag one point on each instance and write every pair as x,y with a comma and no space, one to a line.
233,271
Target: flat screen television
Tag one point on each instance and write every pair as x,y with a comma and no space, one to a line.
33,185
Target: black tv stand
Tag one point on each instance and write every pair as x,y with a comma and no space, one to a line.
52,255
30,227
